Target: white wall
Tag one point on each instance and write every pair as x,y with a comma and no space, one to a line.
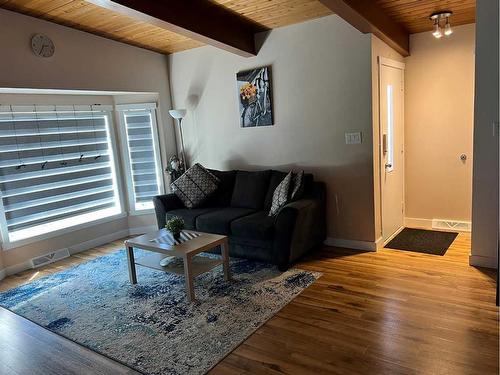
486,113
439,106
87,62
321,76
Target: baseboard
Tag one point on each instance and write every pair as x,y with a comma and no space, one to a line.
413,222
482,261
351,244
16,268
141,230
97,241
379,244
74,249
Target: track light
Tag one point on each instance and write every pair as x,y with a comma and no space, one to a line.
437,30
437,17
447,28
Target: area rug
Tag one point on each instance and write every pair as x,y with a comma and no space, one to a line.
150,326
423,241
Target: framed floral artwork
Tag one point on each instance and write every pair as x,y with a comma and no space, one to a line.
255,97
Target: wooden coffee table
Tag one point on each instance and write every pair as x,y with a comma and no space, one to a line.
191,265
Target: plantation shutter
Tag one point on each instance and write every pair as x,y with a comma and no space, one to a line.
55,163
139,122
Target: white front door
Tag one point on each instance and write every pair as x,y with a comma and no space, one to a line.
391,98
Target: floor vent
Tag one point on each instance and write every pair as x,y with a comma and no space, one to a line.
49,258
461,226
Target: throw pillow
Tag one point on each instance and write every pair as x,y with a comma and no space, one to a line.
297,187
195,186
280,196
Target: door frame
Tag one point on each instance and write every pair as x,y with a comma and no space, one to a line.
384,61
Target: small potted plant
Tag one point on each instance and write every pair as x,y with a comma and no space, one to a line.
175,225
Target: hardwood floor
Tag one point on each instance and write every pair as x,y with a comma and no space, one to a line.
29,275
389,312
25,348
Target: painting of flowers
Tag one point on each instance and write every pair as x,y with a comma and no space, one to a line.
255,97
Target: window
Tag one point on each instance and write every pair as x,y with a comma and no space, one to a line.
390,129
56,168
142,163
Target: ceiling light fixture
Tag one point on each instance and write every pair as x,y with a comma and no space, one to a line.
447,28
437,17
437,30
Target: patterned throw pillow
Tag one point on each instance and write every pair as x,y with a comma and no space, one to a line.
297,186
280,195
195,186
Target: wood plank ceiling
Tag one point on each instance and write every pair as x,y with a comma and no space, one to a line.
82,15
414,14
103,22
91,18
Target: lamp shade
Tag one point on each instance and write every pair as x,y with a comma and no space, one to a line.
178,113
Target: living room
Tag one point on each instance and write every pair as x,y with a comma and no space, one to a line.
307,280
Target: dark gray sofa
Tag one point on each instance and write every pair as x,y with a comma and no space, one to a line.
239,209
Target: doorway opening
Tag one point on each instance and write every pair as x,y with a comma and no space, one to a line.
425,136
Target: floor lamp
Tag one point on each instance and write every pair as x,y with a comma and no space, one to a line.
179,114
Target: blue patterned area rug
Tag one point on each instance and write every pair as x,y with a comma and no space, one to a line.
150,326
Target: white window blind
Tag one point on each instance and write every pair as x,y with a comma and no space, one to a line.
56,168
143,167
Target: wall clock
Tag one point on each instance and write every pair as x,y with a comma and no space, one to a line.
42,45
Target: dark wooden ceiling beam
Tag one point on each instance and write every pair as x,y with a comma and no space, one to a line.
368,17
200,20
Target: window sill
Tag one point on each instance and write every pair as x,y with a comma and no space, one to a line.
6,246
147,211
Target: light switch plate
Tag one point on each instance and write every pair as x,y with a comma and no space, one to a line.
353,138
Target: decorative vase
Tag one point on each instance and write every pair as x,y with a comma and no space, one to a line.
177,235
247,101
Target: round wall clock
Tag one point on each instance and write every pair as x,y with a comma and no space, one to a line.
42,45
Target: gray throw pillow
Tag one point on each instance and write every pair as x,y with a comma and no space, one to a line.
280,195
195,186
297,186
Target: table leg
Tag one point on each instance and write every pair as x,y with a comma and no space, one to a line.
225,260
189,279
131,265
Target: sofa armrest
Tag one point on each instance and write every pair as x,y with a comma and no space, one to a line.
164,204
295,228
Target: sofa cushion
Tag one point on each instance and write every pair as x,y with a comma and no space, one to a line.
224,192
195,186
250,189
259,226
248,248
251,249
219,221
281,194
275,180
189,215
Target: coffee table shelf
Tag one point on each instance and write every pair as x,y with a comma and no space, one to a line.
185,256
199,264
